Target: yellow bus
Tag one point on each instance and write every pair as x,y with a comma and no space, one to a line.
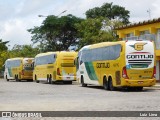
55,66
129,64
19,69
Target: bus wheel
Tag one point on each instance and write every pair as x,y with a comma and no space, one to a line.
111,85
37,81
105,84
82,82
16,77
50,79
7,78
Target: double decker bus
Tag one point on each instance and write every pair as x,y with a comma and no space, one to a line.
55,66
129,64
18,69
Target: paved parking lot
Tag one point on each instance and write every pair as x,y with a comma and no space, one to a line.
40,96
31,96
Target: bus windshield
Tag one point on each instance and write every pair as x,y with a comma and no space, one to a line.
13,63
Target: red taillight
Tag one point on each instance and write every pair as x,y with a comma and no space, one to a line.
154,72
58,71
124,73
22,72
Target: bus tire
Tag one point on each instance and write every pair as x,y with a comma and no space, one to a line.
82,82
111,87
50,79
7,78
105,84
37,81
16,77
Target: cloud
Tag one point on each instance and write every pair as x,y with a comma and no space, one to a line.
5,11
32,7
138,8
79,7
19,15
156,9
15,32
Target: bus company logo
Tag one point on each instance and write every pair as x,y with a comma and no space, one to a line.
6,114
138,46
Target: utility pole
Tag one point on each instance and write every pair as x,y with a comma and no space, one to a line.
149,13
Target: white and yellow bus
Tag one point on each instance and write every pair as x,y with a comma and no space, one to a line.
129,64
19,69
55,66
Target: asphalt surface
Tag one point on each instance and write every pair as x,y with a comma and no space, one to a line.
31,96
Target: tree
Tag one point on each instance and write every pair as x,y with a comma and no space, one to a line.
3,46
16,51
23,51
109,11
97,30
3,53
56,34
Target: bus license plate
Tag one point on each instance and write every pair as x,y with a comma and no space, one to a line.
140,82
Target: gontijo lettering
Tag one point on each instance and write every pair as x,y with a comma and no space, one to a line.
139,56
103,65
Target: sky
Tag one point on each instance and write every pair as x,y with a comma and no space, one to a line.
16,16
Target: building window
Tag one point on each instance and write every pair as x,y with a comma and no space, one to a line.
129,35
144,32
146,35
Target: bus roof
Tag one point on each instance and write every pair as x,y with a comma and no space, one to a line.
102,44
18,58
57,52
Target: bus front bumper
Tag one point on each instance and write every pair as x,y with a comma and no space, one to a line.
139,83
